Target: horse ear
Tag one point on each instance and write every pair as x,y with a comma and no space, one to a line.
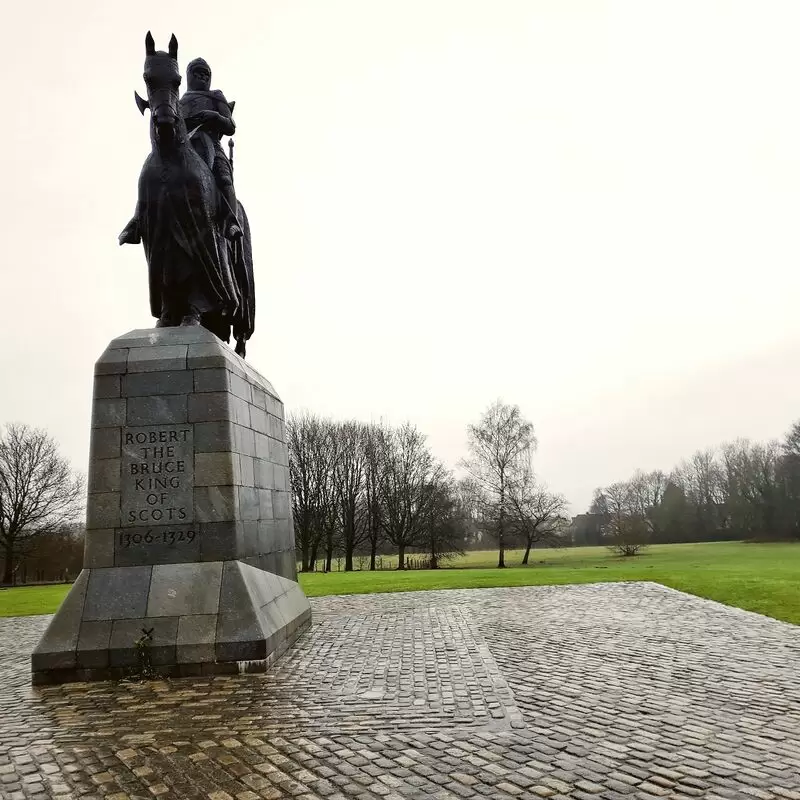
173,47
141,103
149,44
231,105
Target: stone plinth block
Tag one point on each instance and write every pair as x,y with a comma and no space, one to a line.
189,529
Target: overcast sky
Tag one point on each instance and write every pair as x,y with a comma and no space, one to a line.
589,209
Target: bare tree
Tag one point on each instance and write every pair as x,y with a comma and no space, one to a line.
39,491
408,473
753,487
305,435
373,512
535,514
625,528
702,481
646,495
500,449
349,475
446,526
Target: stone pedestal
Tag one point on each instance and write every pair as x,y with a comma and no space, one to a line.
189,527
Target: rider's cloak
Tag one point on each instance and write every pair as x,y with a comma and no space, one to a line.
178,221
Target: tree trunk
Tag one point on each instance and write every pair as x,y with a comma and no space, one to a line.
401,556
501,561
373,552
434,558
329,552
8,571
348,558
527,553
305,558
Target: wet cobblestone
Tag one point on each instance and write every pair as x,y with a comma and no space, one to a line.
604,691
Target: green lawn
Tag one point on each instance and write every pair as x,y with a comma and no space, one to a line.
758,577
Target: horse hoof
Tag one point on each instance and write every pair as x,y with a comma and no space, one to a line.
190,320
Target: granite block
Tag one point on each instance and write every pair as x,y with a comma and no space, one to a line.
258,420
221,541
159,337
263,446
215,503
215,379
272,620
112,362
214,469
168,409
157,358
93,642
109,412
281,478
208,355
181,589
280,504
246,471
266,536
196,636
241,411
238,618
126,632
250,529
246,648
98,548
107,386
102,510
170,382
279,453
56,649
211,407
265,504
214,437
264,474
158,544
105,443
244,440
263,587
104,475
259,397
248,503
117,593
267,562
240,387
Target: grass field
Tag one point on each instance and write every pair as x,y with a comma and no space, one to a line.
758,577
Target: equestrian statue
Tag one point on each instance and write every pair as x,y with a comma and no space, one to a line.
195,232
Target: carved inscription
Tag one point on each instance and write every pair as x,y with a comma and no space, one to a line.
157,477
157,536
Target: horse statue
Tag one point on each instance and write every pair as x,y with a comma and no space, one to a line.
199,272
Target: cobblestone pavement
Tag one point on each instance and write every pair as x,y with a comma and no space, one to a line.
604,691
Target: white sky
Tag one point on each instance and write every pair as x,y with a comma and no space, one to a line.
586,208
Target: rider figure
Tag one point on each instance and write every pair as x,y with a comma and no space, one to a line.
208,117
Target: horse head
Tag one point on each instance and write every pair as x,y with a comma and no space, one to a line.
163,80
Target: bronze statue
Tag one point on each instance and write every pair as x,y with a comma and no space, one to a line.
195,233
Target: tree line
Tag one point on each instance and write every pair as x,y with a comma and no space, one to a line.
738,490
369,489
